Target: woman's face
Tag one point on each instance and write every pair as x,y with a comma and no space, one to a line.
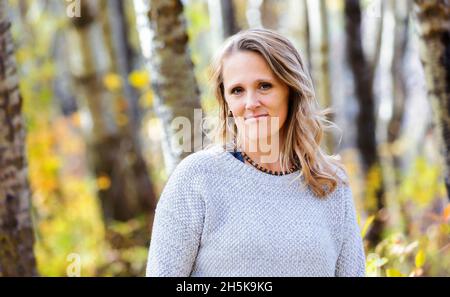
251,89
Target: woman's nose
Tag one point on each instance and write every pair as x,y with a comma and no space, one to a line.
251,101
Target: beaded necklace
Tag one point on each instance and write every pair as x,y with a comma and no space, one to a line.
273,172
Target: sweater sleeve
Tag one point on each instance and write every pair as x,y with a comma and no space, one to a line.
351,260
177,225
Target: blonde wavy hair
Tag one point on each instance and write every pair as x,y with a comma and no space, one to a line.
305,123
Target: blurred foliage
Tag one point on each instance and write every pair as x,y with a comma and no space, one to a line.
419,244
66,211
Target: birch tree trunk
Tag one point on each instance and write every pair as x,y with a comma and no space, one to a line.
295,25
123,190
363,74
16,228
253,13
223,22
433,18
177,95
120,54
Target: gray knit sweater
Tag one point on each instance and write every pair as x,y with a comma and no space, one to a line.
220,217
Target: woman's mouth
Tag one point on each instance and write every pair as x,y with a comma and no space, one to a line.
255,117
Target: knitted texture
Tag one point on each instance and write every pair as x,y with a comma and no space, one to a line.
217,216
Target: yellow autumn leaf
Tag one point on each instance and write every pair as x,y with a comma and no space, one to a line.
51,164
146,99
392,272
420,258
47,185
122,120
76,119
103,182
139,79
447,213
46,71
22,55
122,105
112,81
367,225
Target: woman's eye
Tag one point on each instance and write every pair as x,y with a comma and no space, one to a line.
236,91
265,86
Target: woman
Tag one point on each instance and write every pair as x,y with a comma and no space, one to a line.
264,200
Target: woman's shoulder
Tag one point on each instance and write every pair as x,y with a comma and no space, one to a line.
339,172
342,175
342,190
201,161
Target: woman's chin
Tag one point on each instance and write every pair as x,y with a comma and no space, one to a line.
264,137
253,132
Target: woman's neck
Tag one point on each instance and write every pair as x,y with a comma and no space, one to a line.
264,152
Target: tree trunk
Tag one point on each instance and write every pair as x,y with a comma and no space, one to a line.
223,21
308,35
16,228
253,13
270,14
62,86
121,56
177,95
433,17
401,12
229,23
366,121
240,12
295,25
123,184
325,84
320,50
